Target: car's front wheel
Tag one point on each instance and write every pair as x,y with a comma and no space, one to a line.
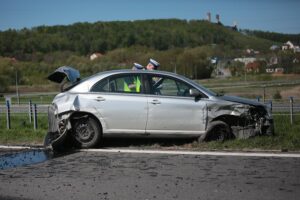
86,132
218,131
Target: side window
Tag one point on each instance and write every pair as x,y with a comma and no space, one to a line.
166,86
130,83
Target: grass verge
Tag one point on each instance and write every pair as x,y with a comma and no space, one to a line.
22,131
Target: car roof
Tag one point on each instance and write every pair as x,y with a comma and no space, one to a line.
85,84
104,74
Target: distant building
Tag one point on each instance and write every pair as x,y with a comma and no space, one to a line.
214,60
95,55
245,60
218,19
252,67
279,70
295,60
270,70
221,70
274,47
273,60
290,46
252,52
297,49
276,70
209,17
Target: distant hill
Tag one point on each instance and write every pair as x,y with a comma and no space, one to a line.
186,47
163,34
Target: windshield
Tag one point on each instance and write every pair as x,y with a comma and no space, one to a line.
199,86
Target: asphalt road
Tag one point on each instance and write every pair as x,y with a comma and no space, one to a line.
115,175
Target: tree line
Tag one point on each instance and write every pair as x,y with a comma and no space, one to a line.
277,37
86,38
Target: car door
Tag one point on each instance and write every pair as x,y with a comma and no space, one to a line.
171,108
121,104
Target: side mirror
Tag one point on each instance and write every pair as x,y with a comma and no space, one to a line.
194,93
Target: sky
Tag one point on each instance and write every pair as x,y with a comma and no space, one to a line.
280,16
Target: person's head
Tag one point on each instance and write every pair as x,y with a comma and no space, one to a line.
152,65
137,66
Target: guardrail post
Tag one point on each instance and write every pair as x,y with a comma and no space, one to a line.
264,94
35,123
30,111
271,105
8,125
291,110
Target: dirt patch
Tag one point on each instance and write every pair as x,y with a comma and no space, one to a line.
292,92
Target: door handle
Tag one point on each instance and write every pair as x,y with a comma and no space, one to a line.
100,99
155,101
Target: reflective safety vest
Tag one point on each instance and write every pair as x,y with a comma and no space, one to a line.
126,88
137,84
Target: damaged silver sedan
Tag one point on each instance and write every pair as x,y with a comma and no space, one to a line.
151,104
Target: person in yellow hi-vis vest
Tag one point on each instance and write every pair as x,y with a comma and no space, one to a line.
136,85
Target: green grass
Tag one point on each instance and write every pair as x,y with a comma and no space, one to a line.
287,137
22,132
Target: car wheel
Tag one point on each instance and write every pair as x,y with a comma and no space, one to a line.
218,131
86,132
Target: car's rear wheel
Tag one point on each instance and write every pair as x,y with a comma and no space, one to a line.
86,132
218,131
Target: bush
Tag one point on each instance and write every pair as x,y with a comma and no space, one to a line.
277,95
3,84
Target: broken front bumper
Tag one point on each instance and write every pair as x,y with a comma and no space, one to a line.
57,129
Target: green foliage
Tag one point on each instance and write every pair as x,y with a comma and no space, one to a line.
3,83
22,131
237,68
277,95
277,37
86,38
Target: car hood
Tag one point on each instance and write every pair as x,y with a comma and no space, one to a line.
239,100
59,74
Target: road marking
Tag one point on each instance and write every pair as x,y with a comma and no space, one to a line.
20,147
13,147
204,153
174,152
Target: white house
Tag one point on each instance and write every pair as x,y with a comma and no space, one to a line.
245,60
290,46
95,55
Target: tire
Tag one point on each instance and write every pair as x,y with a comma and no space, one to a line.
86,132
218,131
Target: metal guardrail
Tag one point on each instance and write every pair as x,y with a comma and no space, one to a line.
290,108
24,108
43,109
277,106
